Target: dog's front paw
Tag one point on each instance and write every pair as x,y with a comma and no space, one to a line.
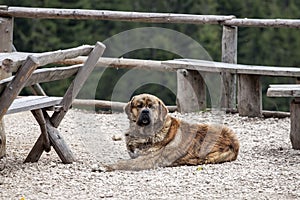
101,168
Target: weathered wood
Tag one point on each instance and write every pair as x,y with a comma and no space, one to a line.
36,151
122,63
56,140
191,91
39,116
12,61
249,95
295,125
6,36
296,86
229,55
46,75
190,64
284,90
58,143
78,82
275,114
37,89
32,103
6,32
2,139
52,13
274,23
13,89
23,77
208,66
115,106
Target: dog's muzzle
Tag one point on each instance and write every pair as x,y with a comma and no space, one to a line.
144,118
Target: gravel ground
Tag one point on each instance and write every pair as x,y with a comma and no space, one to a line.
267,167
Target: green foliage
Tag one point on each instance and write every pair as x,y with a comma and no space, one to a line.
258,46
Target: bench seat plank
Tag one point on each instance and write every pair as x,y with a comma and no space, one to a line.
32,103
284,90
209,66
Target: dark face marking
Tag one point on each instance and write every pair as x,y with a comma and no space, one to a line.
146,110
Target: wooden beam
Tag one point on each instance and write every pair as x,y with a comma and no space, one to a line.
46,75
37,89
56,140
78,82
115,106
39,116
249,95
275,114
53,13
190,64
32,103
229,55
295,125
36,151
191,91
14,88
2,140
284,90
6,32
266,23
6,37
12,61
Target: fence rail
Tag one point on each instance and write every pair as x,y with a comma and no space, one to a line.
230,20
241,86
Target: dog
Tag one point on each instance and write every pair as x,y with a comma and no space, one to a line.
155,139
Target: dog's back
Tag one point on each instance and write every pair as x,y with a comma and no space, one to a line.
210,144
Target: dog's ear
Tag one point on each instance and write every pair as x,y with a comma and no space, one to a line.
128,109
163,110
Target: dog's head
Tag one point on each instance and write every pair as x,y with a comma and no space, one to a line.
146,110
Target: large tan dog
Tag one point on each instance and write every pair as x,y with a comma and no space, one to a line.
155,139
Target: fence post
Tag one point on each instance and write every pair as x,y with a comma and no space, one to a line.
229,55
191,91
6,37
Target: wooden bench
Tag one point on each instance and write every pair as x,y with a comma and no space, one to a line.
249,92
290,90
25,65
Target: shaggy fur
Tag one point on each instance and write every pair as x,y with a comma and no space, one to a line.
155,139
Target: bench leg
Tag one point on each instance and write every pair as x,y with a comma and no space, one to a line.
249,95
36,151
191,91
59,145
56,140
39,116
295,124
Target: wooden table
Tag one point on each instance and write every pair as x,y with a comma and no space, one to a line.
25,65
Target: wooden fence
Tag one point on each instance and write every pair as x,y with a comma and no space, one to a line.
242,80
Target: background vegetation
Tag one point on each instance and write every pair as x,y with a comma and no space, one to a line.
261,46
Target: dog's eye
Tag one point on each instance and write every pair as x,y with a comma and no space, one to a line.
150,106
140,105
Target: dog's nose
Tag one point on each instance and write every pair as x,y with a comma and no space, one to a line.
145,111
